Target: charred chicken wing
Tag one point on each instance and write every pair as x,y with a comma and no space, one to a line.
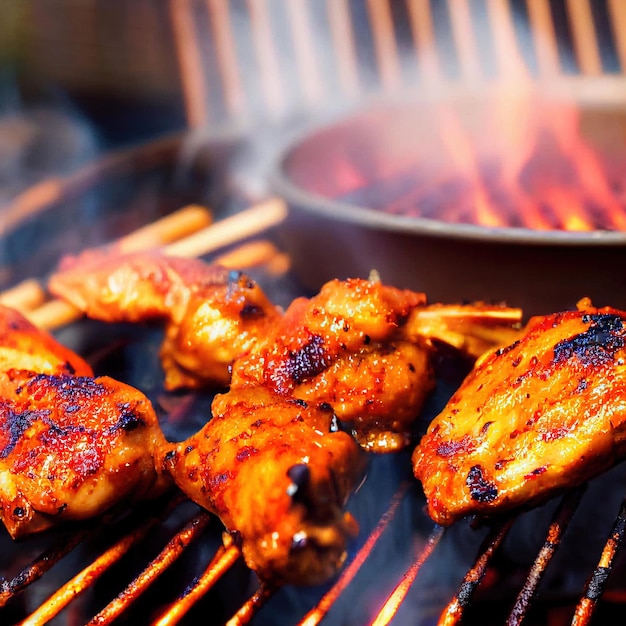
545,413
71,445
344,347
367,349
276,471
212,315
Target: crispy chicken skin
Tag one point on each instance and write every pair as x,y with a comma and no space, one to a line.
71,447
344,317
377,391
25,347
212,315
367,349
543,414
275,471
344,347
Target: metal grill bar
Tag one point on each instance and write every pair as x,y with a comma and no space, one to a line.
81,582
426,44
223,560
317,614
250,607
597,582
166,557
454,611
390,607
33,572
557,528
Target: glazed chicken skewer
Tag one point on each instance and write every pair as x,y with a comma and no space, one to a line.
211,314
306,484
276,471
362,346
543,414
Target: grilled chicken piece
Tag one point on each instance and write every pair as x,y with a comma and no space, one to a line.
344,347
212,315
543,414
71,445
367,349
24,347
278,475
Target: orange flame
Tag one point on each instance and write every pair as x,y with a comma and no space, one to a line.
508,160
549,174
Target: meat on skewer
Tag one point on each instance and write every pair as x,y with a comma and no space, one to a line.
278,472
344,347
71,445
362,346
546,413
367,349
212,315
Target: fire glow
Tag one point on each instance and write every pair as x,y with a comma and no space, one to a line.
504,162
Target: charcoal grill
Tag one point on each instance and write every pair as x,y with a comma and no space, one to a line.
401,568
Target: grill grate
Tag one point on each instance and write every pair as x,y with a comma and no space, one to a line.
240,62
226,556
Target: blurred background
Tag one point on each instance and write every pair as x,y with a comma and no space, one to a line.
82,76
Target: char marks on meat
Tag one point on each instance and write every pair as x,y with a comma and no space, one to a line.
542,415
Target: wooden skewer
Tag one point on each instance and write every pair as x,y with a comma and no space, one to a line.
29,294
258,218
260,252
232,229
168,229
24,296
42,195
53,314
